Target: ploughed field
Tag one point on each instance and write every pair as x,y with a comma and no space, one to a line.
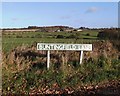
24,67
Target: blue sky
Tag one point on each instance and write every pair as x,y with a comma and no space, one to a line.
86,14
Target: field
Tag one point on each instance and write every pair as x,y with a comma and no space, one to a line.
24,68
13,39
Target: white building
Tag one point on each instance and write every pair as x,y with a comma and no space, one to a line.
79,30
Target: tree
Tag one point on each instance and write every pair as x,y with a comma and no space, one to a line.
109,34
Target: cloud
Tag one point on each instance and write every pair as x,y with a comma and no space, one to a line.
15,19
79,21
20,19
65,17
92,9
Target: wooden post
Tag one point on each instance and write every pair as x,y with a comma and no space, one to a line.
81,56
48,59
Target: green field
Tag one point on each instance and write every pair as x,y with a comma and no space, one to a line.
10,40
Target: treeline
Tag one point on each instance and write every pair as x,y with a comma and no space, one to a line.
109,34
112,35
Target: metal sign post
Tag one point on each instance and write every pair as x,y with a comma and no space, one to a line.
75,47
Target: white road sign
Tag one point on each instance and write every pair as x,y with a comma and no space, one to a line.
77,47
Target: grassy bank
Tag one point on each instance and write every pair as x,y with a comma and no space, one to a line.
37,79
32,77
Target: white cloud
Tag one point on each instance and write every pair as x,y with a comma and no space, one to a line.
15,19
91,10
21,19
65,17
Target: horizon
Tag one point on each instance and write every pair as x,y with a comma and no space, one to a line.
78,14
59,25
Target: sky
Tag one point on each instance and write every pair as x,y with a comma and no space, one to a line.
73,14
60,0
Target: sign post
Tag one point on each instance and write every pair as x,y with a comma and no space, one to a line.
70,47
81,56
48,59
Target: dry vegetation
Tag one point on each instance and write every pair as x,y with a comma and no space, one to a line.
25,73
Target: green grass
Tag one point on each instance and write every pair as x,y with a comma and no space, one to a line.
12,40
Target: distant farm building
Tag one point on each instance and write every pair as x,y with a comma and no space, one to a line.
79,30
